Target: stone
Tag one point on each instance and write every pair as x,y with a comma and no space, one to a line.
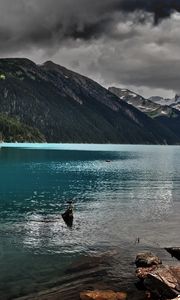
121,295
142,273
164,282
161,282
174,251
147,259
102,295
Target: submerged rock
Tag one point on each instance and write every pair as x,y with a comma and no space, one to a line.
68,217
147,259
103,295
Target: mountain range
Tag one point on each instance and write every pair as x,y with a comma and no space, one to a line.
59,105
174,102
154,107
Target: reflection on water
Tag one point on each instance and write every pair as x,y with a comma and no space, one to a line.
118,196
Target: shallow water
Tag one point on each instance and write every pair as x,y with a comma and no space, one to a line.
120,193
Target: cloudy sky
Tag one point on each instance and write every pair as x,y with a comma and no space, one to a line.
126,43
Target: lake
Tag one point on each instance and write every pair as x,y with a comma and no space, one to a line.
120,192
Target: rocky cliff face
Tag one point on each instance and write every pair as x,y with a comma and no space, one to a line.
67,107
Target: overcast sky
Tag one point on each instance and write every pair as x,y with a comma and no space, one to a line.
126,43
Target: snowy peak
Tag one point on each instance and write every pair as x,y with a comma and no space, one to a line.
155,107
161,100
124,93
177,98
174,102
134,99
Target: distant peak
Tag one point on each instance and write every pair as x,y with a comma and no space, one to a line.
49,63
177,97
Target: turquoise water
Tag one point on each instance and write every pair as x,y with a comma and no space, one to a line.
120,193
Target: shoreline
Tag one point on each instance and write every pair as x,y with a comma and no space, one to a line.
97,273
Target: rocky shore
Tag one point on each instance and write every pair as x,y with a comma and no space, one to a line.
159,281
152,280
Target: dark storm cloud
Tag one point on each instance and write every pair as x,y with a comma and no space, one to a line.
37,23
46,20
131,42
160,8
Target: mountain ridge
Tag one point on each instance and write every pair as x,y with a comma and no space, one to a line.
68,107
164,114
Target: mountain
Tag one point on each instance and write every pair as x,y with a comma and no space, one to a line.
161,100
152,108
174,102
144,105
68,107
12,130
166,115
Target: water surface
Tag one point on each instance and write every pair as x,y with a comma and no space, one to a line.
120,193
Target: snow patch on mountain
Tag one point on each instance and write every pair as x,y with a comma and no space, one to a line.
174,102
